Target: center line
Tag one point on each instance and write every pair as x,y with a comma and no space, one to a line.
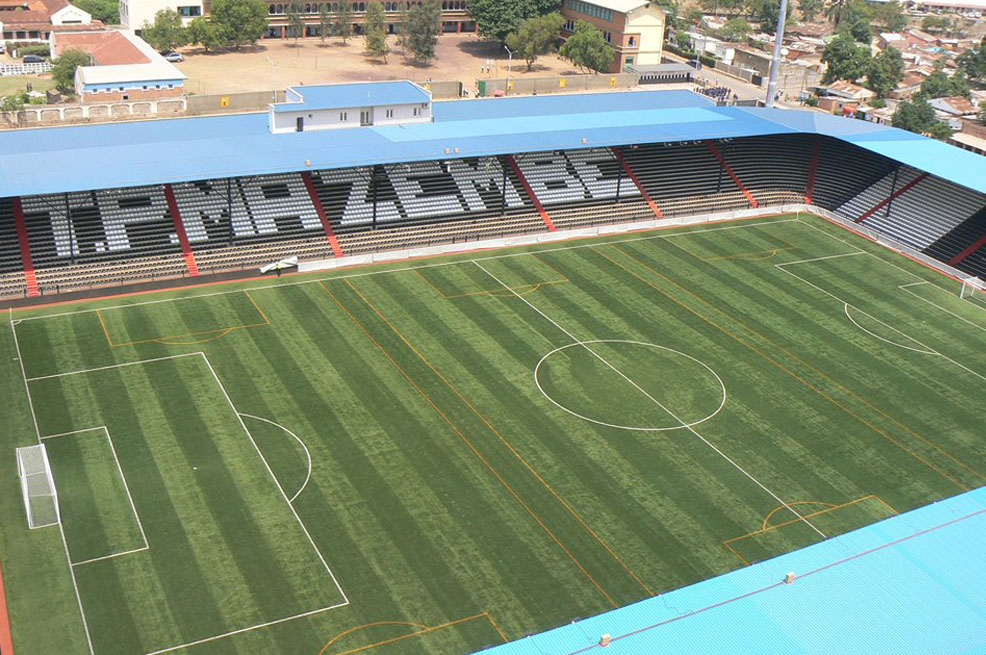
654,400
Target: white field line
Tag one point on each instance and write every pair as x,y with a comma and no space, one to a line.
126,487
61,530
262,458
298,439
905,288
843,302
819,259
404,269
655,401
111,366
241,630
877,336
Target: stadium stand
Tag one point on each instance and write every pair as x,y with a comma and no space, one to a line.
239,221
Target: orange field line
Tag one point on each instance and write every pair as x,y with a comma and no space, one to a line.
502,439
165,339
529,288
767,357
766,520
837,384
423,630
469,444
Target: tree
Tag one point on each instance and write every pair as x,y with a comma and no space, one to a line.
107,11
424,22
735,29
63,72
296,20
499,18
838,11
207,34
770,11
402,19
376,37
940,85
587,48
810,9
982,112
846,59
886,70
857,21
937,24
242,21
12,103
166,32
890,15
919,117
972,64
344,21
324,21
535,37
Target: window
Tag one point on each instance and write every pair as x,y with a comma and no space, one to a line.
632,42
190,11
343,116
629,61
590,9
390,113
569,26
417,112
608,36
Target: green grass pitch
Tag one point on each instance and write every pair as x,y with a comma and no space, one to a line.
438,456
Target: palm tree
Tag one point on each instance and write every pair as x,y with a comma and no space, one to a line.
838,11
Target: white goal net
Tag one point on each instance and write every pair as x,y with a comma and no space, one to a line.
973,288
38,487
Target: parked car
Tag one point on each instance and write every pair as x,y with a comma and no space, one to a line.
173,57
33,59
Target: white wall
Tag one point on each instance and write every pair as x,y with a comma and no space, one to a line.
329,119
134,13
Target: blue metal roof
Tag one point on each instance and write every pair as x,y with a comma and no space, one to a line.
86,157
346,96
914,583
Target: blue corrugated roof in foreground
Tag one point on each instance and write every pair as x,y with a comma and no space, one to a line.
914,583
81,158
344,96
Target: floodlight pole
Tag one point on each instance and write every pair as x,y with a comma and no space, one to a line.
775,62
510,61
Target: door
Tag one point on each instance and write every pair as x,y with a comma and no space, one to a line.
366,117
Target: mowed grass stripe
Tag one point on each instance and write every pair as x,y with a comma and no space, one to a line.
460,344
442,401
833,336
634,312
827,387
527,412
369,376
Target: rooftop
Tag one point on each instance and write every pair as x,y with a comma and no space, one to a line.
107,48
622,6
348,96
914,583
104,156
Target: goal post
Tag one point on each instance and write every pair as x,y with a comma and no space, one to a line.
973,288
37,486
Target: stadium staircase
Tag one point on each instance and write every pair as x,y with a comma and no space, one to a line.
963,245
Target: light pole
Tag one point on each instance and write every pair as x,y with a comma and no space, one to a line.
273,71
775,62
510,61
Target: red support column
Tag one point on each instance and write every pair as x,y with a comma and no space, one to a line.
6,642
186,246
640,187
530,193
729,169
322,216
816,147
30,279
893,196
979,243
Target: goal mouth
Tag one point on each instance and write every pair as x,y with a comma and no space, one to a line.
973,288
37,487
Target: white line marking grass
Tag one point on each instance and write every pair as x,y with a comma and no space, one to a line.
923,350
927,349
126,487
906,289
301,523
411,268
308,454
636,386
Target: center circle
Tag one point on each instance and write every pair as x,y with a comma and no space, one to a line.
630,385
